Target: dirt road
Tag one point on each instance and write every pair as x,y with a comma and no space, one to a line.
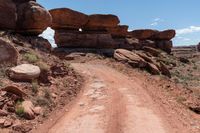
111,102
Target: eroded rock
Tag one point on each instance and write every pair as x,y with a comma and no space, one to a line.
24,72
9,54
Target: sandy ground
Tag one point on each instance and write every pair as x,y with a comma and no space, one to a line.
112,102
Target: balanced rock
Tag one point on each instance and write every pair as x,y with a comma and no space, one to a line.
79,40
65,18
33,19
9,54
100,22
165,35
130,57
119,32
24,72
143,34
8,15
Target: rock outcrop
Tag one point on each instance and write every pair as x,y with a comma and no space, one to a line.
130,57
23,16
68,39
24,72
9,54
65,18
32,19
8,16
100,22
154,38
95,29
141,60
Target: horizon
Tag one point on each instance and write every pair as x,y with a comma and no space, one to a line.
137,15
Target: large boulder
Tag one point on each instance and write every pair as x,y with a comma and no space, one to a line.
79,40
100,22
24,72
165,35
33,19
143,34
118,32
8,53
65,18
130,57
8,15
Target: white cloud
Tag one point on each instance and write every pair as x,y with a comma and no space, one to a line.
188,30
156,21
49,35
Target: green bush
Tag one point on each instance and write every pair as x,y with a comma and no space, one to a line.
31,58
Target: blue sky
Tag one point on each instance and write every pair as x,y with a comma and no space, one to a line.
182,15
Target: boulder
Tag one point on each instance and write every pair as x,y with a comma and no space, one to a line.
130,57
33,19
153,69
24,72
8,15
65,18
37,110
143,34
165,45
165,35
164,70
28,112
118,32
98,22
9,54
79,40
152,51
14,90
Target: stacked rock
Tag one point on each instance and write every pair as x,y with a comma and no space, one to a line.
94,31
24,16
153,38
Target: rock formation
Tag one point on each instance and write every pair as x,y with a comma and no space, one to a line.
65,18
23,16
94,34
156,39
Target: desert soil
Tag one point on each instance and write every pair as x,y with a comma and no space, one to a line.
113,102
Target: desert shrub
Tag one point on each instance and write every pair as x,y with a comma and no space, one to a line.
19,109
30,57
35,86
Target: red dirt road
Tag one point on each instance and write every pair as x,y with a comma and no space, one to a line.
112,102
